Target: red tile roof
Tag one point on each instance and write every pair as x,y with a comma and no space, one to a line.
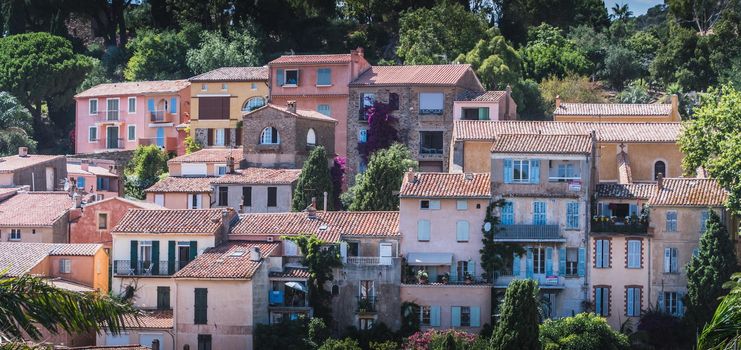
260,176
300,113
487,96
10,164
233,74
613,109
186,221
328,226
174,184
34,209
20,257
488,130
92,170
135,203
440,74
626,191
539,143
289,272
446,185
209,155
312,59
230,260
151,319
689,192
135,88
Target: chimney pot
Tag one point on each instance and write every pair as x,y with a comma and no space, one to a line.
311,209
255,254
23,151
558,101
230,164
291,106
410,178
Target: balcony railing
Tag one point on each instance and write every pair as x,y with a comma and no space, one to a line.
168,143
430,150
108,116
117,143
430,111
617,225
366,304
369,260
146,268
160,116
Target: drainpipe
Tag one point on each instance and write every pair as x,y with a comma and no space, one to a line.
33,181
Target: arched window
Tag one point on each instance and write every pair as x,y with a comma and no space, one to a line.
659,168
311,137
253,104
269,136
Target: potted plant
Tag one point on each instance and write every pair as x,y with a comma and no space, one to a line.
423,277
445,278
468,278
363,304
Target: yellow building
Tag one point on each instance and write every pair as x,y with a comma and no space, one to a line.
218,99
618,112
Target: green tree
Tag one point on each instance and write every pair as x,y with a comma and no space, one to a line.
572,88
518,322
583,331
724,329
15,126
288,334
145,168
495,255
621,12
713,265
438,34
496,63
320,258
644,44
374,189
712,139
240,48
594,44
684,59
344,344
313,182
700,14
621,64
635,92
158,56
318,332
190,142
96,76
549,53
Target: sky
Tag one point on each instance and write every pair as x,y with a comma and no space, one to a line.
638,7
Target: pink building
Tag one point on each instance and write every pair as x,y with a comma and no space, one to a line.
121,116
97,177
319,83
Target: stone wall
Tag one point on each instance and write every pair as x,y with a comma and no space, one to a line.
201,136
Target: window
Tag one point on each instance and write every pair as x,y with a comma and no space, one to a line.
311,137
572,215
671,303
324,109
602,253
431,103
430,142
521,170
461,204
632,301
92,134
367,289
572,261
539,215
659,168
671,221
429,204
634,254
462,267
145,252
112,109
423,230
131,133
670,260
269,136
272,197
103,184
15,234
253,104
220,169
247,196
253,86
93,106
425,315
204,342
65,266
200,307
132,104
704,220
602,301
324,77
204,87
566,172
539,260
223,196
220,137
194,201
366,323
508,213
291,77
81,182
163,298
461,231
224,86
102,221
394,101
362,135
465,316
366,101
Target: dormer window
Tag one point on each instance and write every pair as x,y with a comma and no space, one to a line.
291,77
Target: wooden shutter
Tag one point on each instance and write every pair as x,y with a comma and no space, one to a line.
173,105
507,171
516,265
435,316
475,316
224,113
201,306
155,257
193,250
274,135
212,107
210,141
561,261
582,264
279,77
134,254
535,171
272,196
171,257
247,196
227,137
549,261
529,265
238,136
455,313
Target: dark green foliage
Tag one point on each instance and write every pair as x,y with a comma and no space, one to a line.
496,63
724,330
374,189
378,333
320,258
494,256
684,59
713,265
344,344
289,334
239,48
549,53
660,330
583,331
159,55
318,332
144,169
621,65
313,182
518,322
15,126
409,318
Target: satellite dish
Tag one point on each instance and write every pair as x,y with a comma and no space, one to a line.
487,226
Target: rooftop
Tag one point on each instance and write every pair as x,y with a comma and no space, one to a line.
291,272
260,176
543,144
300,113
91,170
209,155
613,109
233,74
626,191
312,59
185,221
21,257
135,88
13,163
437,74
446,185
689,192
136,203
328,226
32,209
174,184
151,319
486,96
230,260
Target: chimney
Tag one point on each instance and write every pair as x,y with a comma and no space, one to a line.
156,344
77,199
84,166
255,254
325,201
409,176
675,105
23,151
507,97
660,181
291,106
360,51
311,209
558,101
230,164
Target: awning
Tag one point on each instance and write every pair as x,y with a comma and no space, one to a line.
429,259
297,285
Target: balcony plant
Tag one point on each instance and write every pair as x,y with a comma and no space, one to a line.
423,277
364,304
445,278
468,278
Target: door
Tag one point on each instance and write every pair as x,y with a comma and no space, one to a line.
112,137
385,251
183,254
49,178
161,137
159,199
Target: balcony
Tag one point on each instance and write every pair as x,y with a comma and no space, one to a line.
544,282
111,116
366,304
369,261
629,225
160,116
111,143
168,143
528,233
146,268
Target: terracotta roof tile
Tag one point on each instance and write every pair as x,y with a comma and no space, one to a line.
613,109
151,319
20,257
234,74
174,184
10,164
300,113
260,176
35,208
193,221
228,260
486,96
92,170
291,273
689,192
626,191
75,249
439,74
539,143
135,203
209,155
135,88
312,59
487,130
328,226
447,185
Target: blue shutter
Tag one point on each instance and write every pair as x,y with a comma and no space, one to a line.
80,182
516,265
598,300
472,269
423,230
279,77
507,171
475,316
598,262
539,213
453,271
173,105
99,183
562,261
535,171
508,213
435,316
630,298
529,263
150,105
703,220
161,137
633,210
455,313
581,269
483,113
549,261
660,301
680,305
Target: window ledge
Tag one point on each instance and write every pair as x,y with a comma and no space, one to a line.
330,85
289,85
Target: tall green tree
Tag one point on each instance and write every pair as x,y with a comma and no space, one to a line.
15,126
549,53
145,168
621,12
375,189
313,182
320,258
621,65
239,48
583,331
713,265
518,322
159,55
712,139
724,330
701,14
496,63
684,59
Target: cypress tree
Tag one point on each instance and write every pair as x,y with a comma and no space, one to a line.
518,323
313,182
375,189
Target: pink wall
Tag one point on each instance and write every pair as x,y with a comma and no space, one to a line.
447,296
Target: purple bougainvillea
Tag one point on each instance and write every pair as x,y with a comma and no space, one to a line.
338,179
382,131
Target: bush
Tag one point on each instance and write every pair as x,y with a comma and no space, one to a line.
344,344
583,331
440,340
285,335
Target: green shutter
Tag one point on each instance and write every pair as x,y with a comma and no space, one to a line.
134,254
561,261
549,261
170,257
483,113
200,308
193,250
155,257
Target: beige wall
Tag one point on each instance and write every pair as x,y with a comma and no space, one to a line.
642,158
476,157
133,336
240,92
259,198
177,200
91,271
41,235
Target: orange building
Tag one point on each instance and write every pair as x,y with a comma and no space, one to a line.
98,218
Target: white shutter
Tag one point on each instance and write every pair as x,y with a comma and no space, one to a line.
667,259
159,199
190,201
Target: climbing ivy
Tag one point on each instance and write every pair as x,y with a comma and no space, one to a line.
495,256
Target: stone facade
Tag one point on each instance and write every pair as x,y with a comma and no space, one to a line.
201,136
